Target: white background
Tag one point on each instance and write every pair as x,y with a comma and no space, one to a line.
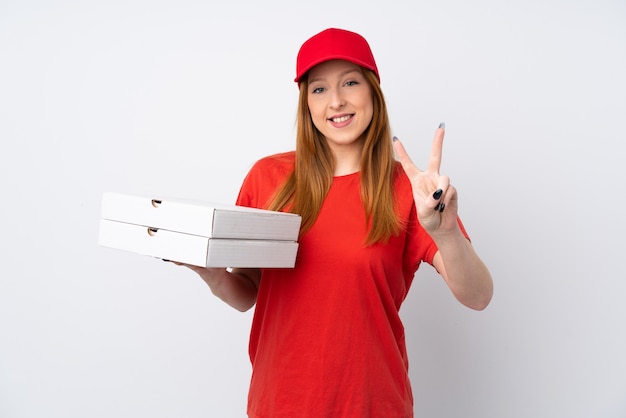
179,98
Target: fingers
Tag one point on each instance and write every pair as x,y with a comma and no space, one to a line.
441,196
434,164
403,156
401,153
433,187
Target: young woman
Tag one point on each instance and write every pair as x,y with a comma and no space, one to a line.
326,338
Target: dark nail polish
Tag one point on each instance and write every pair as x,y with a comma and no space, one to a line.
442,125
437,194
437,207
443,206
395,138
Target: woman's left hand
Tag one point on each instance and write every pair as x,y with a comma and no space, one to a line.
436,199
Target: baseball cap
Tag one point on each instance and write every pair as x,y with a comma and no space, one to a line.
331,44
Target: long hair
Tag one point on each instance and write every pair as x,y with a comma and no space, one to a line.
306,188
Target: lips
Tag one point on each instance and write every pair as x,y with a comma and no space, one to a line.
341,119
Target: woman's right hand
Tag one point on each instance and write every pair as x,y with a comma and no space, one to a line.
237,287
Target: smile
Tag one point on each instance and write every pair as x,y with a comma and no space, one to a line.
341,119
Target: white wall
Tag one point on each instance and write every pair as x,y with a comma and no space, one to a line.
179,99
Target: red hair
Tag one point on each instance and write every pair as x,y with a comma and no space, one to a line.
306,188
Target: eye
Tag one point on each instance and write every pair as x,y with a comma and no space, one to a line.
352,83
317,90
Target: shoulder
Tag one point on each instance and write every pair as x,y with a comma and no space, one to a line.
401,181
265,176
403,192
282,163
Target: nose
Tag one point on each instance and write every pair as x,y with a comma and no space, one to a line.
337,100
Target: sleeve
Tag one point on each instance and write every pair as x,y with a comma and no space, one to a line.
265,177
419,246
248,195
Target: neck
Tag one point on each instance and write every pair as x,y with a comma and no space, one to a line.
347,159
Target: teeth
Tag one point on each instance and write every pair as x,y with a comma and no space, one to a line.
341,119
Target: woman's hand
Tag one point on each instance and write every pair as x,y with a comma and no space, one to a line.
237,287
437,208
435,198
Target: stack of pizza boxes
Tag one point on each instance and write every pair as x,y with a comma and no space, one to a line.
199,233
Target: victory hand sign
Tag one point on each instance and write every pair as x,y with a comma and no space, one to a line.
435,198
436,203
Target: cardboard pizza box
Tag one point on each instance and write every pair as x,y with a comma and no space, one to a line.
199,233
211,220
195,249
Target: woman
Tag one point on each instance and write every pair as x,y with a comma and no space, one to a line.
326,338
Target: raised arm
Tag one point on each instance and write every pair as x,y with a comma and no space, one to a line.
436,201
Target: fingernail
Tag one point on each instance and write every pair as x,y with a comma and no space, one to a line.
443,206
167,261
395,138
442,125
437,194
438,206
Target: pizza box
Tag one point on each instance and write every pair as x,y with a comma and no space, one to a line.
195,249
195,217
199,233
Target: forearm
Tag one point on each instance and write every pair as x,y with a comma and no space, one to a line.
238,288
466,275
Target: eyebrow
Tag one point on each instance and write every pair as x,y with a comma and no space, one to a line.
342,74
